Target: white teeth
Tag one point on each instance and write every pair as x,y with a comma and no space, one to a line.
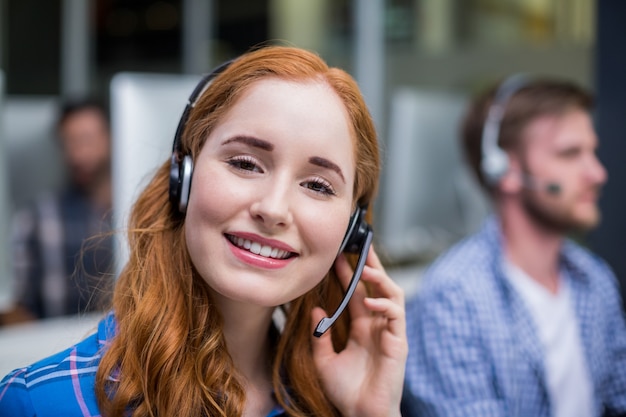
255,248
266,251
258,249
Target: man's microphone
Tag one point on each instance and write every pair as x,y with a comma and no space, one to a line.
534,183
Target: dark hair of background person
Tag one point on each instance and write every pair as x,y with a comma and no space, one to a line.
74,105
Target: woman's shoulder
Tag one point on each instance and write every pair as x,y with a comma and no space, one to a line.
61,384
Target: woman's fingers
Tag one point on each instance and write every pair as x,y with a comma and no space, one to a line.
386,296
381,285
372,259
391,311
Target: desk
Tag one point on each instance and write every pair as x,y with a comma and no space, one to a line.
23,344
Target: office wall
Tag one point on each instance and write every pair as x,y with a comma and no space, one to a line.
5,266
609,240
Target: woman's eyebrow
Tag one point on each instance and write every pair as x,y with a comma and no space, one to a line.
267,146
251,141
325,163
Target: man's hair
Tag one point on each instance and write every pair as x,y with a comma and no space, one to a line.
73,106
539,97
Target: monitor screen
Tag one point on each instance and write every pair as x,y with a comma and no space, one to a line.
145,110
429,197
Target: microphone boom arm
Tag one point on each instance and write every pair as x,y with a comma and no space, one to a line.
326,322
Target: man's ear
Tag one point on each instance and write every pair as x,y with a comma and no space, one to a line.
512,182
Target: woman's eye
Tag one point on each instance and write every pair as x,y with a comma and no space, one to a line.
320,186
244,164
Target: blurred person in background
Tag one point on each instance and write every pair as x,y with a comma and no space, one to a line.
61,266
518,319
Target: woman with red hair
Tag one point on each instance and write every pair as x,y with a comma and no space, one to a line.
275,161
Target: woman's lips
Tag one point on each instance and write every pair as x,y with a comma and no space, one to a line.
260,252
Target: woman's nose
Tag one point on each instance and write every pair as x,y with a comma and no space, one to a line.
272,207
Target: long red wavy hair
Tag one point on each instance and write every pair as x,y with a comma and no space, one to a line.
169,357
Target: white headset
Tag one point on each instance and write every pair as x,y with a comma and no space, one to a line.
495,161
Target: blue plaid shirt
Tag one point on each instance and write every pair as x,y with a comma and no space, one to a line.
473,347
62,384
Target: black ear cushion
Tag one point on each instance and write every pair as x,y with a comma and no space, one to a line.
185,183
180,182
175,180
356,233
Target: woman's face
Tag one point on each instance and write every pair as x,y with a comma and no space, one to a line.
272,193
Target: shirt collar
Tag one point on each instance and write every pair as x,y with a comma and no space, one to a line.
570,254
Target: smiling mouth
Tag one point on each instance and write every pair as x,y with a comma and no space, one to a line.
259,249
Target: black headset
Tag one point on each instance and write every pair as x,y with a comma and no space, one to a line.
358,237
494,160
181,167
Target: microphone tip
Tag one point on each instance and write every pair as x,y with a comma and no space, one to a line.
553,188
322,326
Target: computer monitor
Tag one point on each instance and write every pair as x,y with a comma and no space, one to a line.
429,197
145,110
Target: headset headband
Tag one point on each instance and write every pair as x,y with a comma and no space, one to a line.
197,92
494,160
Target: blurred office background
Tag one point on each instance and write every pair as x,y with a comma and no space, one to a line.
417,62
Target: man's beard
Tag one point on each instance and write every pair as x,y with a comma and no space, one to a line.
557,219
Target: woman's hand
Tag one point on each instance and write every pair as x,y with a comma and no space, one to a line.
366,378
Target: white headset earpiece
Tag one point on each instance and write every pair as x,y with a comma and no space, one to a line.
494,162
494,165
